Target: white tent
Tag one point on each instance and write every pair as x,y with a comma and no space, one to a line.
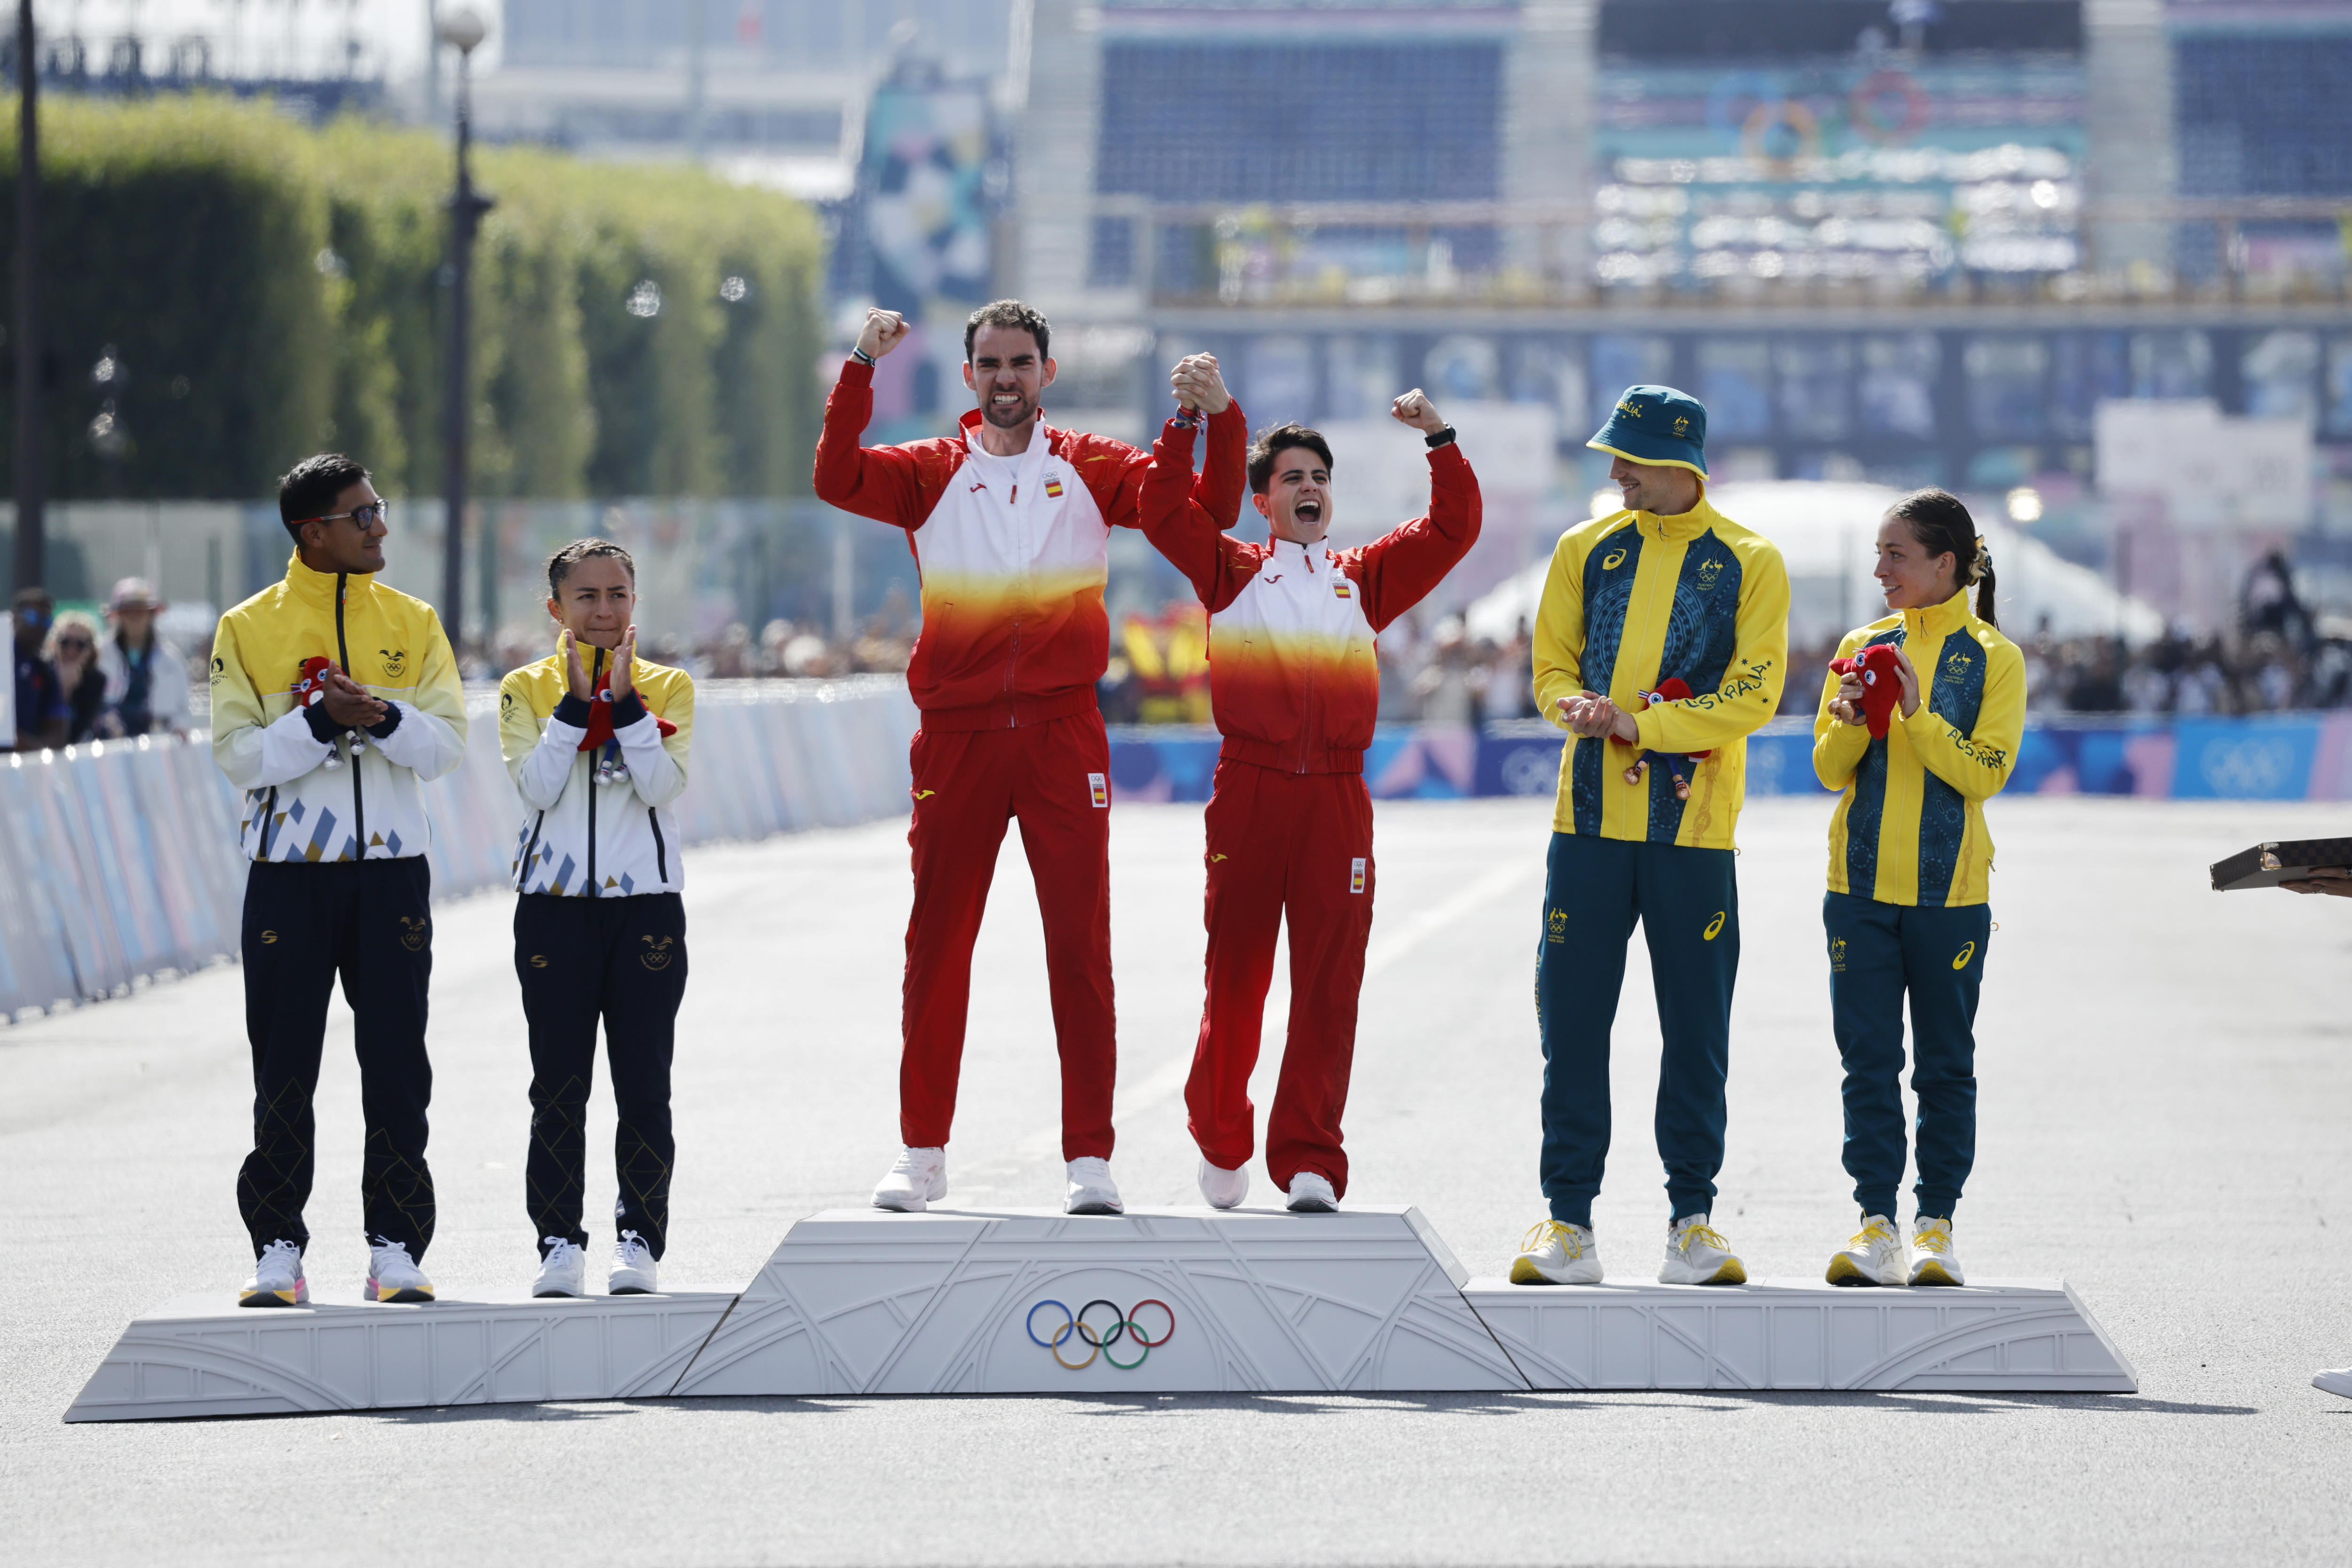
1828,532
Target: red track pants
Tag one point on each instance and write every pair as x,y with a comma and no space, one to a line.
1056,778
1301,844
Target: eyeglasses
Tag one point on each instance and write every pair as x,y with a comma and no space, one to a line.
78,645
366,516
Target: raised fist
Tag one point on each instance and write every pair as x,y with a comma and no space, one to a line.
884,331
1198,384
1415,409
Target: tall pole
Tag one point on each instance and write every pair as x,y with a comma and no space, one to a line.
465,209
32,566
696,83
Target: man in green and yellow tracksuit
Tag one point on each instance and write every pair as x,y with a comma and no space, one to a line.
1661,643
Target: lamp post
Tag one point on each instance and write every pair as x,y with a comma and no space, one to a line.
31,565
463,31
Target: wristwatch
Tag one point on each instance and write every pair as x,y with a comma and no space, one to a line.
1440,438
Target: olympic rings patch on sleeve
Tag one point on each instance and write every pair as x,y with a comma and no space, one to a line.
1123,1326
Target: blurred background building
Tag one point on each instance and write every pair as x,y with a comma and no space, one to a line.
2084,261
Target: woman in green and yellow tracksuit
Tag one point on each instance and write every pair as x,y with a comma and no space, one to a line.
1909,861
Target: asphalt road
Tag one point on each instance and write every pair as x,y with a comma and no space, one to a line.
2167,1076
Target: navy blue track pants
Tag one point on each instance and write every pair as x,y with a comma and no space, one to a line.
1880,953
1687,904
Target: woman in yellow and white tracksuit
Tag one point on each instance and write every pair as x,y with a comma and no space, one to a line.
596,740
1906,914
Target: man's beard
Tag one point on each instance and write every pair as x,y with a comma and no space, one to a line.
1020,413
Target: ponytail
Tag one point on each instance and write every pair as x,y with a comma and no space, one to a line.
1940,522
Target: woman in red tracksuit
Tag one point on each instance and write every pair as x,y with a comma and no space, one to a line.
1294,686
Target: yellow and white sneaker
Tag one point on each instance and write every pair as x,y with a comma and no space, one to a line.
276,1279
1875,1256
1933,1261
1696,1254
392,1275
1557,1253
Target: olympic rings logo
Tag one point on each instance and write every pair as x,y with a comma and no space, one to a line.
1123,1326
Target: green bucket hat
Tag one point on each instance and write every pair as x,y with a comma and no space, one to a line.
1656,426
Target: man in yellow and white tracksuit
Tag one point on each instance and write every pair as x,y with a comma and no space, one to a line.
334,698
1668,593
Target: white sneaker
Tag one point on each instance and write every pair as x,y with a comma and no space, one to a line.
635,1272
392,1275
919,1179
1224,1189
1933,1261
1310,1193
1091,1189
1557,1253
1875,1256
2336,1380
276,1279
564,1272
1696,1254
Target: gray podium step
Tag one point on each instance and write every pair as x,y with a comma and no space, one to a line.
204,1355
857,1302
1995,1336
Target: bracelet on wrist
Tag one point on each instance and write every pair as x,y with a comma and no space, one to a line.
861,356
1439,438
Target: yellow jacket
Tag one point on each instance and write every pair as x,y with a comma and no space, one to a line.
296,807
1634,599
1910,826
581,838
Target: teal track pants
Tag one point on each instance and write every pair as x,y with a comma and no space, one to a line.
1687,904
1879,953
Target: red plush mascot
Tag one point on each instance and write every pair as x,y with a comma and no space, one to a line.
1882,687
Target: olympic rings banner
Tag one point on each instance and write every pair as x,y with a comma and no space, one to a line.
1099,1342
2260,757
120,859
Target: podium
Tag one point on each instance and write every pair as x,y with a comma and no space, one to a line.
1158,1300
206,1355
1994,1336
855,1301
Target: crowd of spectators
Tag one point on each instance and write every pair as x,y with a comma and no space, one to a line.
77,680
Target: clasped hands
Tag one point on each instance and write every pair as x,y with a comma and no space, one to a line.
349,704
1593,715
576,670
1199,384
1846,706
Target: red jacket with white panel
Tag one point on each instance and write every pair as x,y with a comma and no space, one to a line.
1013,551
1292,679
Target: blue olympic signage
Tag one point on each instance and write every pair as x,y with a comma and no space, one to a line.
1098,1341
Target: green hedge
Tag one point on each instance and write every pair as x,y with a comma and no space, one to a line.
273,290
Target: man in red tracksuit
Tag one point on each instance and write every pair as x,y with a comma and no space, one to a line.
1294,686
1010,522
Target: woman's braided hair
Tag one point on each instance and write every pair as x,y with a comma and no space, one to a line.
1941,524
560,564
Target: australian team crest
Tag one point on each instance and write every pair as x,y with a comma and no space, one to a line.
1710,571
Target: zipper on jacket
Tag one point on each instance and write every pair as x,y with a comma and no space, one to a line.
661,849
269,821
350,753
1307,701
593,675
1011,673
522,866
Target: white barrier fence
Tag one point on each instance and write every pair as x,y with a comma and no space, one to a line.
119,861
